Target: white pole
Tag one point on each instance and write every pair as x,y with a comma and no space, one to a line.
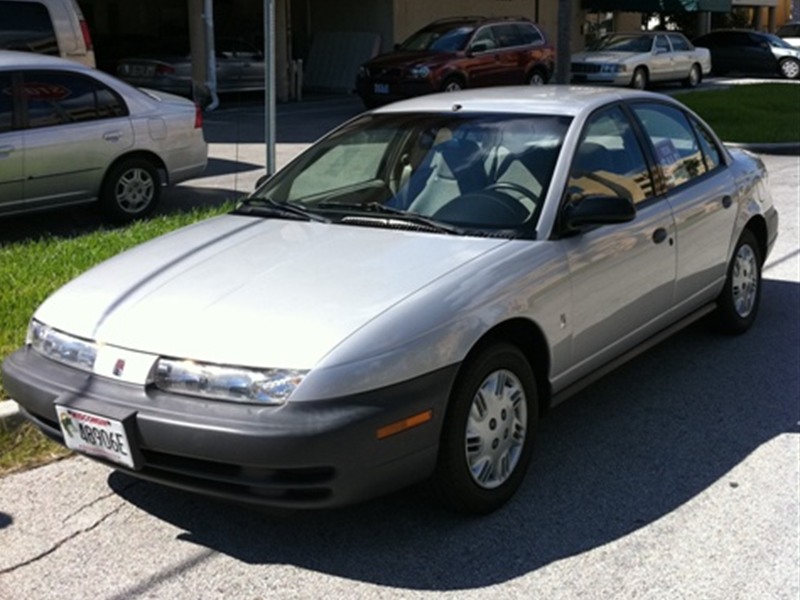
269,83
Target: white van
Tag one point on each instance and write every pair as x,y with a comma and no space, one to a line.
55,27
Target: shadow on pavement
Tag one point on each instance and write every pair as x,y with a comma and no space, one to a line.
623,454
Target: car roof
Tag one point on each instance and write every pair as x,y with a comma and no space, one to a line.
27,60
561,100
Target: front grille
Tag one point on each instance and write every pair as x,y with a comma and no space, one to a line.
585,68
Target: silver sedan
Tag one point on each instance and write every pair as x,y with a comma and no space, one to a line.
642,58
70,134
405,300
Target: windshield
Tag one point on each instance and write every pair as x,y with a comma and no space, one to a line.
439,39
469,173
777,42
624,43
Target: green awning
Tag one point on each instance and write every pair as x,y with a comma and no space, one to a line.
648,6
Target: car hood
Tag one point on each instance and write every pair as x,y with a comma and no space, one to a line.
603,57
254,292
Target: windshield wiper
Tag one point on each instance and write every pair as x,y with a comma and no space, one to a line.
258,206
397,214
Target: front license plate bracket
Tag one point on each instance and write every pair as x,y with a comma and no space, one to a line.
100,435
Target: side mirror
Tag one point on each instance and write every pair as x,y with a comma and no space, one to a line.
597,210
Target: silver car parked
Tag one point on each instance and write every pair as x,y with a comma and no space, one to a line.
642,58
404,300
70,134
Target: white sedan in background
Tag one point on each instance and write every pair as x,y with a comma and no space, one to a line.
641,58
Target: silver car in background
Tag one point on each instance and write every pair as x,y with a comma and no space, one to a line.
70,134
404,300
642,58
239,67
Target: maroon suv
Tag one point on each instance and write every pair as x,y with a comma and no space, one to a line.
456,53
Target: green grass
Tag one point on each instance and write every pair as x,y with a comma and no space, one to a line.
758,113
22,446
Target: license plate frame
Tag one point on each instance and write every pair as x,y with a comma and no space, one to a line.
97,435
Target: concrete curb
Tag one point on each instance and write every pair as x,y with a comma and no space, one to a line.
9,414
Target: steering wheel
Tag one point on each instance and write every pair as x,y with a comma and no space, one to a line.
503,186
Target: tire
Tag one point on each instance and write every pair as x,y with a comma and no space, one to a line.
537,77
488,433
789,68
452,84
738,302
694,78
131,190
640,78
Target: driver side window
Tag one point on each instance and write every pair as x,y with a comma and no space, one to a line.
609,160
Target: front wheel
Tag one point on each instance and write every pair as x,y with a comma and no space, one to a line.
131,190
488,433
737,305
452,85
790,68
639,79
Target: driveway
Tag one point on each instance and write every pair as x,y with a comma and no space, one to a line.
677,476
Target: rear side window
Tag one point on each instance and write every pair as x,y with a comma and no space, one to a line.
60,98
6,103
529,34
27,26
677,149
679,43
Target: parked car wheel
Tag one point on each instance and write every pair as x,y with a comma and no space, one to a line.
790,68
739,300
639,79
488,433
131,190
452,84
537,77
694,78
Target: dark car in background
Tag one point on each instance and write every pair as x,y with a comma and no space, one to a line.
741,51
456,53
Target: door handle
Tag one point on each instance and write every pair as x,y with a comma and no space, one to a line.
727,201
112,136
659,235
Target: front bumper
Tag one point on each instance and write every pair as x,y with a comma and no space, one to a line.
300,455
385,91
620,78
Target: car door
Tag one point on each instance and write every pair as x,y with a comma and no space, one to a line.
11,148
661,61
75,127
623,275
487,63
757,55
701,191
682,56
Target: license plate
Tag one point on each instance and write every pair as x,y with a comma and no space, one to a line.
381,88
143,70
96,435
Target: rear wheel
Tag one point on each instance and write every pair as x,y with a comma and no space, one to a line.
737,305
131,190
790,68
639,79
488,434
694,78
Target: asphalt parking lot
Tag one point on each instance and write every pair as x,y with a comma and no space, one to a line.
677,476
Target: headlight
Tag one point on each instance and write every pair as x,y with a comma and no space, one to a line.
61,347
234,384
420,72
615,68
